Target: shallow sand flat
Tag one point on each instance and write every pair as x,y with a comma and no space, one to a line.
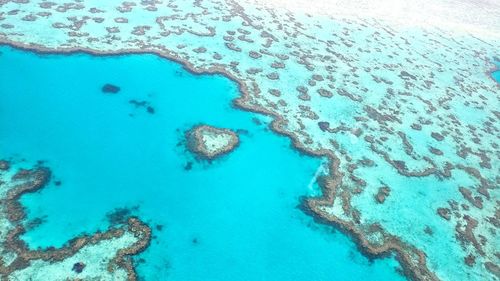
408,108
479,18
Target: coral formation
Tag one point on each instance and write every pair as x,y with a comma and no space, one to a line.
105,255
210,142
408,107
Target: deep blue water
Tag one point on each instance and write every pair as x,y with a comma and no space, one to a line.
233,219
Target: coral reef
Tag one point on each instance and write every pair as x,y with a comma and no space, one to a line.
103,255
209,142
408,107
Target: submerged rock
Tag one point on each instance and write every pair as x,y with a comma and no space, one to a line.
78,267
188,166
150,110
324,126
110,89
382,194
120,215
209,142
4,165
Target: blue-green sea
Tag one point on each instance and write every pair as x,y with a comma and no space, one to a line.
496,74
235,218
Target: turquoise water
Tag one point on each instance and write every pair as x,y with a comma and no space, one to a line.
496,74
232,219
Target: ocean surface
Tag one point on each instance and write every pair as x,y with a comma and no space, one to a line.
122,154
496,74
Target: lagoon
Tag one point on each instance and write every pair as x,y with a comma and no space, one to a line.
234,218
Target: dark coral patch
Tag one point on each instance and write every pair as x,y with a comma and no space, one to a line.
4,165
120,215
324,126
110,89
382,194
150,110
78,267
188,166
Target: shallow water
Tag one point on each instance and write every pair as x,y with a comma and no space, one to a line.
496,74
234,218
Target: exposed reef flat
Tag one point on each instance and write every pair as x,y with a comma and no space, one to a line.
408,109
104,255
210,142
